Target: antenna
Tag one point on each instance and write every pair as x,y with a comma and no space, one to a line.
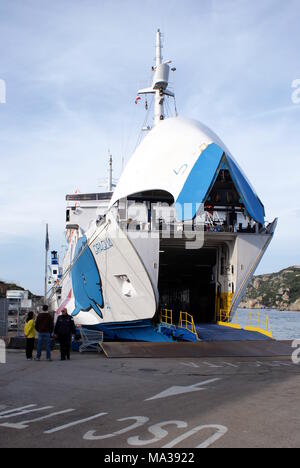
108,182
160,83
110,172
159,112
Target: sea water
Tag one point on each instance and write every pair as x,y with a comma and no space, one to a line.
284,325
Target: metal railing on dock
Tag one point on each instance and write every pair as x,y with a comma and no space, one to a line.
166,317
256,324
186,321
224,320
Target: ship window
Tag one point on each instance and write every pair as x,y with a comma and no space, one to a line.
153,196
68,216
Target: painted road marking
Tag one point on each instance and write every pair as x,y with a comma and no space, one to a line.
236,365
21,413
280,364
214,366
16,409
220,432
75,423
158,432
25,424
190,364
231,365
211,364
140,421
179,390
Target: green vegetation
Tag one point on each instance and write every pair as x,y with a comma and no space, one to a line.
277,291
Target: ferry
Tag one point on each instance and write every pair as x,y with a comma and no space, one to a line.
183,232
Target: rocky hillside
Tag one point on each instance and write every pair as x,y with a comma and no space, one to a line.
4,287
275,291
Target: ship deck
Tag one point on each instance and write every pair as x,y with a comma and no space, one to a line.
213,332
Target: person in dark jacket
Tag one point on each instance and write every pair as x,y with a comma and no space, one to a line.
64,329
44,325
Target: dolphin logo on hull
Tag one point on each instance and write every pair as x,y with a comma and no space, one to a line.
86,281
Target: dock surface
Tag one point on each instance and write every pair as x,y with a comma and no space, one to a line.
184,402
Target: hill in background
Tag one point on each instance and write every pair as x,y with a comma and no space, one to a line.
275,291
4,287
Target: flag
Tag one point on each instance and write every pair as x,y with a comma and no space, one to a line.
47,244
138,99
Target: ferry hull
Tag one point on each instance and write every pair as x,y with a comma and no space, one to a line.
128,287
121,269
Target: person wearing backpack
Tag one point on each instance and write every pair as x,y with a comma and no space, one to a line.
64,329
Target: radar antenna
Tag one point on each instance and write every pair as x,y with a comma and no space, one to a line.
159,88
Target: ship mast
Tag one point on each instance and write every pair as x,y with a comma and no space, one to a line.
159,100
160,82
110,174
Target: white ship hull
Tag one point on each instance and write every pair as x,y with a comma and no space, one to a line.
184,231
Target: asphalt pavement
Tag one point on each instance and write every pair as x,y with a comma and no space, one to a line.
94,402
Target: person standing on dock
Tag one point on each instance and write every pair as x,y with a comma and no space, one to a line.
44,325
29,332
64,329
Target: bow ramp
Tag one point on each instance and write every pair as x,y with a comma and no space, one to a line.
241,349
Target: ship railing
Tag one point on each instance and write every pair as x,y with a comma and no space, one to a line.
223,319
173,228
186,321
260,324
223,316
163,226
166,317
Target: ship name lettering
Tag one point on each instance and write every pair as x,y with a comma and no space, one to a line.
103,246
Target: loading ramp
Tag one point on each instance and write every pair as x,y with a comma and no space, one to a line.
221,349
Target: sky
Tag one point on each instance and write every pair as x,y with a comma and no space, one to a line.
72,69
